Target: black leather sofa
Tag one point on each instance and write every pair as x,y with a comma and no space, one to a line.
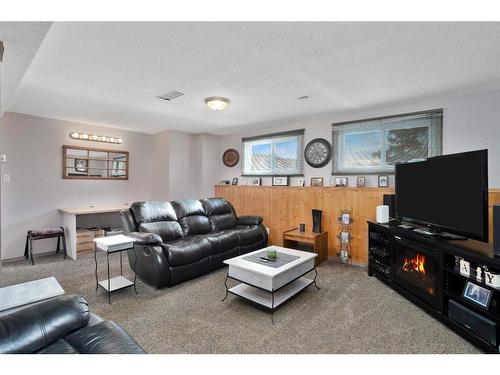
180,240
62,325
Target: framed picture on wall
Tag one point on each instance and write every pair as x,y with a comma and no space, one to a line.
256,181
360,181
280,180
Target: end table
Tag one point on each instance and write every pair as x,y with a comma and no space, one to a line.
110,245
319,241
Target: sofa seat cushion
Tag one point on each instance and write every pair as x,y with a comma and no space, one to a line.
222,241
249,235
104,337
187,250
59,347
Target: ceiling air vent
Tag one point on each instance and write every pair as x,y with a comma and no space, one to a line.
171,95
299,98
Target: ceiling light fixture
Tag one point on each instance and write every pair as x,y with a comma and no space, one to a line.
94,138
217,103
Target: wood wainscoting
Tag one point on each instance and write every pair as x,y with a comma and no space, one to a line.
287,207
493,198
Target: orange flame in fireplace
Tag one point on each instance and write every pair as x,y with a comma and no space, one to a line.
415,264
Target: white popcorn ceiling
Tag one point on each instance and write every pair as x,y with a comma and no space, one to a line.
111,73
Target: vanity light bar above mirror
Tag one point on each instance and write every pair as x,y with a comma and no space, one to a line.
95,138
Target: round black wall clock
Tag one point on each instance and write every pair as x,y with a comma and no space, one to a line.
318,152
231,157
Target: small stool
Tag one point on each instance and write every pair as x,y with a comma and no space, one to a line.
39,234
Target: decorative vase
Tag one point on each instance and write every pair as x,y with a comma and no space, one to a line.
272,254
317,214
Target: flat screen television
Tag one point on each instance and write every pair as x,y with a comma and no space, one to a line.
446,193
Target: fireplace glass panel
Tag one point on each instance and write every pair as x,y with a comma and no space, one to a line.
416,268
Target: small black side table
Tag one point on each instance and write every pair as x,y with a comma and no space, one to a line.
110,245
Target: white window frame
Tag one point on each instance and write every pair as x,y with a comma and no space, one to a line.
383,125
272,139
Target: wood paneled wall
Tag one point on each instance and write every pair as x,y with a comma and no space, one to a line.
493,198
286,207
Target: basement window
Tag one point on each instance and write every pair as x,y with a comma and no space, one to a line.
278,154
376,145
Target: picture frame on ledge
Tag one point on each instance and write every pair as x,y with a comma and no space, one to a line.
340,181
383,181
317,181
235,181
301,182
360,182
477,294
256,181
280,180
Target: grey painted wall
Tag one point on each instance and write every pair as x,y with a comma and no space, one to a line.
185,165
33,146
470,122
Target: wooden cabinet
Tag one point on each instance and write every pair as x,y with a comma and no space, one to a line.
318,242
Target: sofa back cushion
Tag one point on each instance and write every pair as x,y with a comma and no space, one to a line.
157,217
192,217
220,213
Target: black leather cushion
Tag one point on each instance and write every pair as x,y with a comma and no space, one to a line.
192,217
128,221
157,217
220,213
250,220
151,211
59,347
250,235
187,250
33,328
223,241
104,337
167,230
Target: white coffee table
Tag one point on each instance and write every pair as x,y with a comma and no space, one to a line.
110,245
32,291
267,286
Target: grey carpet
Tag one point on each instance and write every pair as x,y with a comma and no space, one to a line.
352,313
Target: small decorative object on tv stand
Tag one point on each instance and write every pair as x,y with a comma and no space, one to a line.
345,237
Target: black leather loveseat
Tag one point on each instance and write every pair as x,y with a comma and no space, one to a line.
62,325
180,240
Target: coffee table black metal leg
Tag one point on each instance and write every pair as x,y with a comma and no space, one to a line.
272,307
135,272
227,289
96,278
315,276
109,281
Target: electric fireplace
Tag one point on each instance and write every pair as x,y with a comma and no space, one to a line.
415,269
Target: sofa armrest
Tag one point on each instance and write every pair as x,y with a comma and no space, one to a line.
34,327
249,220
145,239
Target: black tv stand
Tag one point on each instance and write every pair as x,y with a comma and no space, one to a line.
396,256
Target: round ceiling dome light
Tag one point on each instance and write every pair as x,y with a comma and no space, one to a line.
217,103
